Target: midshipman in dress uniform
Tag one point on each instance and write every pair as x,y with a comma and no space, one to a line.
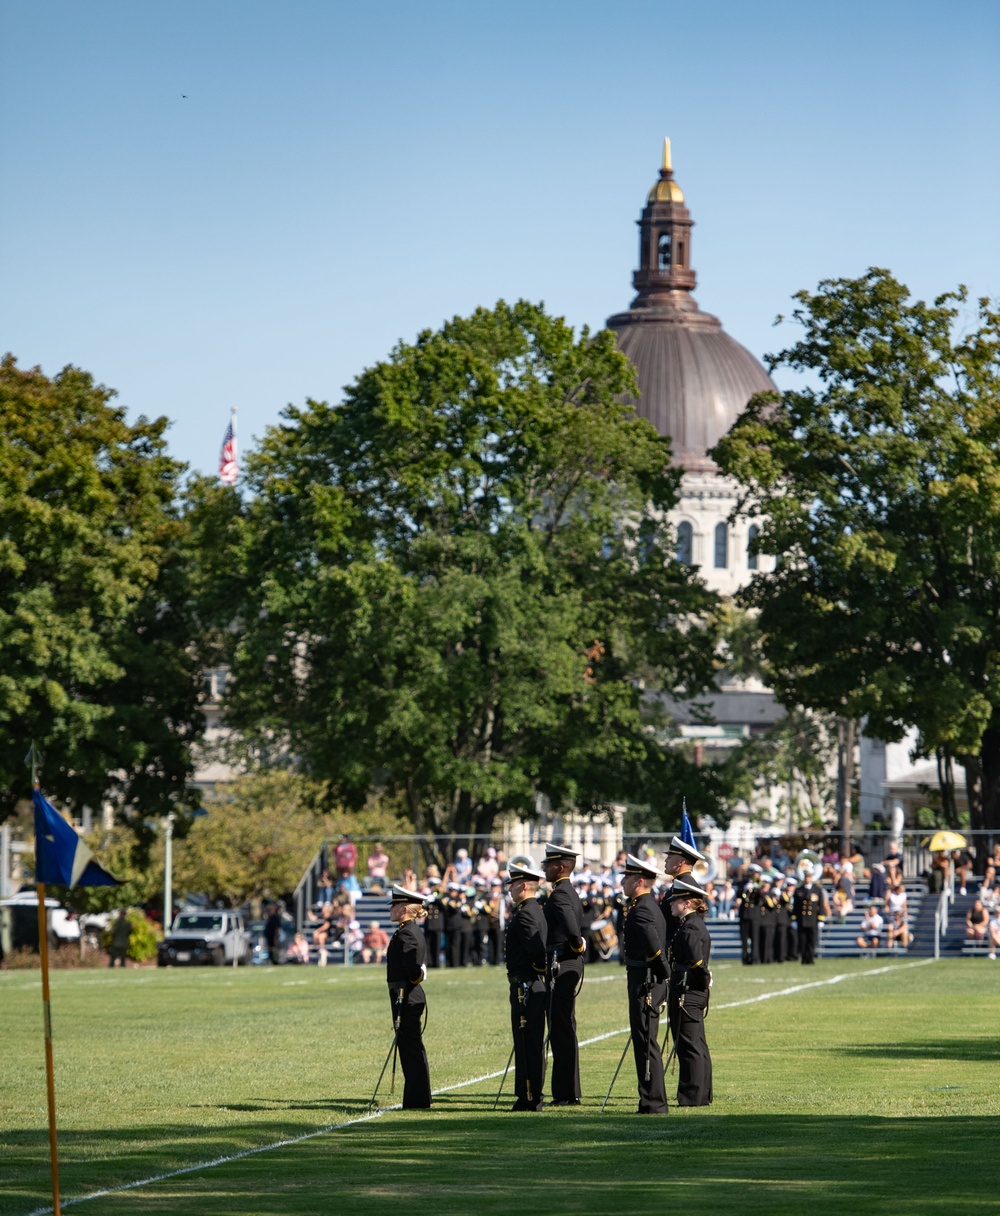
647,981
524,954
565,946
688,993
809,905
405,972
678,862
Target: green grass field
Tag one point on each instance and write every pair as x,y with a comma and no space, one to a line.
873,1093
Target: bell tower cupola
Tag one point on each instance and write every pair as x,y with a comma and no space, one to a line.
665,278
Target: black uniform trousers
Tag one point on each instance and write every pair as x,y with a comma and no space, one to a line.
408,1004
686,1011
644,1021
562,1035
527,1004
807,943
767,928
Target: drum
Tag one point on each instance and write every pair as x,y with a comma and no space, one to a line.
603,938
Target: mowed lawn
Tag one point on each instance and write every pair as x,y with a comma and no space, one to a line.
876,1092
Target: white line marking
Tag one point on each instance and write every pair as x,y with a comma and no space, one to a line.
489,1076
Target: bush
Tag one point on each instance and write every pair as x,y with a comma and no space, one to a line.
142,944
61,958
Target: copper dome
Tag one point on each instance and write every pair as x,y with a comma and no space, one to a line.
694,380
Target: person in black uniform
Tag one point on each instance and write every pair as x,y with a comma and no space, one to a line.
767,913
565,947
791,933
810,904
688,994
647,981
454,927
678,862
524,952
434,923
405,972
747,911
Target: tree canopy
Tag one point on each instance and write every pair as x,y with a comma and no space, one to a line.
454,583
878,485
96,658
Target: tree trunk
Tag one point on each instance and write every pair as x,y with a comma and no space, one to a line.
946,784
989,756
845,774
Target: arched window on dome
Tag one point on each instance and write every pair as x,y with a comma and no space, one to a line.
680,253
752,533
663,251
685,543
721,546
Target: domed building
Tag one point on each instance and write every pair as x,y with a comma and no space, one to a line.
694,382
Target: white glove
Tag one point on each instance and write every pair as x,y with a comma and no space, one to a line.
423,972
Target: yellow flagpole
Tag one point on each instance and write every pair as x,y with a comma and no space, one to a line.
43,944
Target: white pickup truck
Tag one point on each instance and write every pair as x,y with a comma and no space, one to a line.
214,936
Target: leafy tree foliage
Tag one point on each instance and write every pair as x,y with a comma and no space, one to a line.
879,486
257,839
454,582
96,663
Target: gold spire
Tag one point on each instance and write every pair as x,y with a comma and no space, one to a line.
666,189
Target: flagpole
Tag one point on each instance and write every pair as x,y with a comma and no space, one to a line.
43,945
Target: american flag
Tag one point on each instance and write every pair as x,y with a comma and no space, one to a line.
228,464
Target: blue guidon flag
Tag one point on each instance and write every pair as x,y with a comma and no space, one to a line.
686,833
61,857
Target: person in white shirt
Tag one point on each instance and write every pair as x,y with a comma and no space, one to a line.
871,929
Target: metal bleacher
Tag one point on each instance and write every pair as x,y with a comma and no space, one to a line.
367,909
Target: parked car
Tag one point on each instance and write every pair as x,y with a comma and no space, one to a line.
213,936
63,924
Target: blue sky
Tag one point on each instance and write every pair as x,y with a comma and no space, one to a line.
209,203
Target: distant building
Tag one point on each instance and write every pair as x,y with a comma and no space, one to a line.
694,382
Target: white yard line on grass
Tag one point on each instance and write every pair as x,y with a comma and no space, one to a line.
446,1089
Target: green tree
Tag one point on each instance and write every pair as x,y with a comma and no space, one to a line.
259,835
96,657
456,581
878,483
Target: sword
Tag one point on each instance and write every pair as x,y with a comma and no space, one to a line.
391,1054
503,1078
617,1071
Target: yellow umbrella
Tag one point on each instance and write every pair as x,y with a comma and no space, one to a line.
941,842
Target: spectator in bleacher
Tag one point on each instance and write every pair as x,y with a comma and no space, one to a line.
348,886
993,932
975,921
488,867
894,861
374,944
378,863
324,933
962,861
324,888
725,901
989,893
829,861
899,914
872,924
843,892
298,951
345,856
878,884
463,867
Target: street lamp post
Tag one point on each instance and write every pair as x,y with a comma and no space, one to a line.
168,872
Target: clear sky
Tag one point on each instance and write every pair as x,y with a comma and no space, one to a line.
209,203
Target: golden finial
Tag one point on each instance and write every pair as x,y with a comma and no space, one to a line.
666,155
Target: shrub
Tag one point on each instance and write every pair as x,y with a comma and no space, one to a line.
142,944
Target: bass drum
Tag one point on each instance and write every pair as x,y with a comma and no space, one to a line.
603,939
